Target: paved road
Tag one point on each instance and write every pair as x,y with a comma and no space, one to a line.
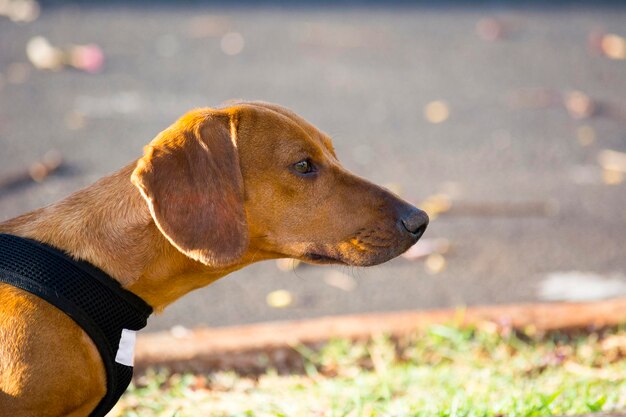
365,76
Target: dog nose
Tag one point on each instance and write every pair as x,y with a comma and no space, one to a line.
415,222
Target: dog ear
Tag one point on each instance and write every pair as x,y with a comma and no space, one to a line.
191,179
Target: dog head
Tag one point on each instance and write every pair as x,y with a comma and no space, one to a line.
255,181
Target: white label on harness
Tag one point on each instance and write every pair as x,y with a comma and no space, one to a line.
126,350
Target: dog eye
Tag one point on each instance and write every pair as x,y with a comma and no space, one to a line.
303,167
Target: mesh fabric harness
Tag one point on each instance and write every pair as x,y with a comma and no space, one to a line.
89,296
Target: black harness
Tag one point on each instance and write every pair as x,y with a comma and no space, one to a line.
107,312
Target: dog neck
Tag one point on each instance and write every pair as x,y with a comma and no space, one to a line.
108,224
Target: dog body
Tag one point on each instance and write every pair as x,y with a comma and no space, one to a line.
216,191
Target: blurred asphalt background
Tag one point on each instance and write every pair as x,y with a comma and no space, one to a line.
526,102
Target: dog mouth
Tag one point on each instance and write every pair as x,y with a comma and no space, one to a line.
355,252
319,258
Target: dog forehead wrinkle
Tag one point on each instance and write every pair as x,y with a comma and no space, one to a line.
285,115
302,141
288,140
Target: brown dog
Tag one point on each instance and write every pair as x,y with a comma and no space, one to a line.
216,191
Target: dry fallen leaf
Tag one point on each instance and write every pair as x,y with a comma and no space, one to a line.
613,46
180,332
612,177
20,11
435,263
279,299
43,55
612,160
88,58
50,162
437,111
579,105
613,165
614,348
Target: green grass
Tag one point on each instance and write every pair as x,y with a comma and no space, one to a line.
445,371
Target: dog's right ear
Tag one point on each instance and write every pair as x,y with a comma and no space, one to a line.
191,179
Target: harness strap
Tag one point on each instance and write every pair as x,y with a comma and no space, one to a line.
108,313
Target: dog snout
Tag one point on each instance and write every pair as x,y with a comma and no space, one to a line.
414,221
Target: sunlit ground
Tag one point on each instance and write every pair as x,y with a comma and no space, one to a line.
444,371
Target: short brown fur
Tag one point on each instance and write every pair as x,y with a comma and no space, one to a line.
214,192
